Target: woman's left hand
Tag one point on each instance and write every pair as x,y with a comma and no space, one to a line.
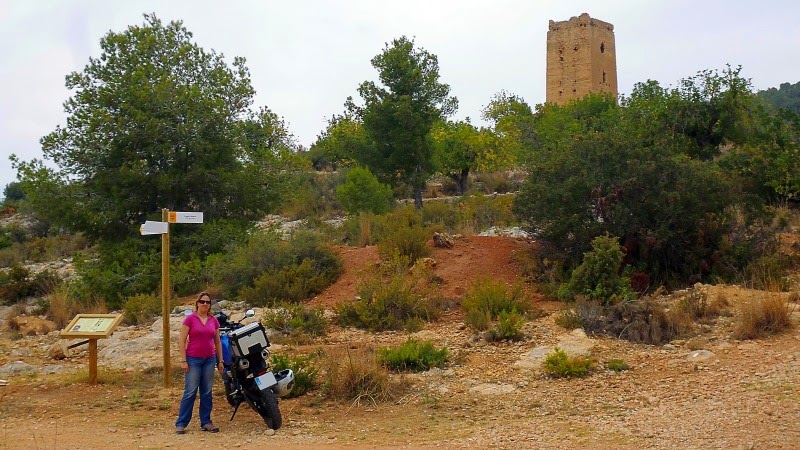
220,367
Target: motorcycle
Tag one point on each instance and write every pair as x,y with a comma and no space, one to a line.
246,375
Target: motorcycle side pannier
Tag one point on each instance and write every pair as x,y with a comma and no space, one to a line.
252,334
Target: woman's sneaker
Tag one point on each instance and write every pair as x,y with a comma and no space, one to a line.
209,427
180,430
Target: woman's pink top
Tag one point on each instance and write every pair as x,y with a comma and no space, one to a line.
201,337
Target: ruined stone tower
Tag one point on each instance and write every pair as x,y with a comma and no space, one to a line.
581,58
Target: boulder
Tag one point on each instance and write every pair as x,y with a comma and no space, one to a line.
443,240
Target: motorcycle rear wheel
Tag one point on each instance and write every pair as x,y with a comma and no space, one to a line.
269,409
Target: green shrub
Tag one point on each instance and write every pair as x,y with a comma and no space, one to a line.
508,327
617,365
768,272
478,319
305,371
267,270
559,365
569,318
140,309
289,283
405,239
118,270
17,283
296,320
479,212
597,277
498,182
387,305
362,192
414,356
492,298
188,276
440,212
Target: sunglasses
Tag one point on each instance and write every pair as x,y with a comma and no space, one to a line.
204,302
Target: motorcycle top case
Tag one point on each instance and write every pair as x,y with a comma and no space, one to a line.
242,339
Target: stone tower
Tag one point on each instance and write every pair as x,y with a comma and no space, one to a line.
581,58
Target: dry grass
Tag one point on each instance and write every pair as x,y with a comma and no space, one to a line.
762,317
62,306
355,375
698,307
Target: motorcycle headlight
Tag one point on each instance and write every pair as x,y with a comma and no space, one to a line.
265,354
244,364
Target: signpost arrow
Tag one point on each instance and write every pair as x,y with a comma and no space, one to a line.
185,217
151,227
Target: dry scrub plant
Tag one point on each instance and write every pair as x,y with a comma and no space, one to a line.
355,375
762,317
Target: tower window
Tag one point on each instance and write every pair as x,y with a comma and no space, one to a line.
602,47
604,77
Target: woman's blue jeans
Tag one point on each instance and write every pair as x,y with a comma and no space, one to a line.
200,376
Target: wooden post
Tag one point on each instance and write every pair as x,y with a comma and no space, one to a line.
165,294
92,361
92,327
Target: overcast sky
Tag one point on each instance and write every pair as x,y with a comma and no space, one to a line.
306,57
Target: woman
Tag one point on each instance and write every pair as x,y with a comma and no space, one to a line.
200,351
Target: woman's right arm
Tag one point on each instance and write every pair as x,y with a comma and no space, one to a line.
182,346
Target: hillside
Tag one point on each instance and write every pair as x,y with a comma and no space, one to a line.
707,391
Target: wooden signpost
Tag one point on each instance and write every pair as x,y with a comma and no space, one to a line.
91,327
162,228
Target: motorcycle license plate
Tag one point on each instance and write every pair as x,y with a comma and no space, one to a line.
266,381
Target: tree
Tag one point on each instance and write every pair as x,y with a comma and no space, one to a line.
155,122
602,179
399,115
341,144
513,126
459,148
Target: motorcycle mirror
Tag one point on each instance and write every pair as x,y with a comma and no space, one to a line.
249,313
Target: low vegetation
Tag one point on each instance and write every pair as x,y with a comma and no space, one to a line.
413,356
395,303
354,375
305,368
763,317
295,321
488,301
559,365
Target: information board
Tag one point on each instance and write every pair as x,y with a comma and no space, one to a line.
91,326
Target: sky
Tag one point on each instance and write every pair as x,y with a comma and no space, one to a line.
307,56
